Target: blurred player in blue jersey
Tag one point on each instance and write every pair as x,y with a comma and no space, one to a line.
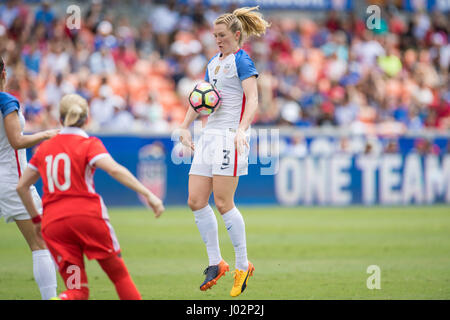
13,162
221,154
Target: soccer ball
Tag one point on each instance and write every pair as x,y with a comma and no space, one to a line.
205,98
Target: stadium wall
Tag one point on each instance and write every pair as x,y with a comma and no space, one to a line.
295,169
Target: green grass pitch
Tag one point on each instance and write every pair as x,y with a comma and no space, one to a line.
299,253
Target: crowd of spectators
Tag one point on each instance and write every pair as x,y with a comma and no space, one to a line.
137,73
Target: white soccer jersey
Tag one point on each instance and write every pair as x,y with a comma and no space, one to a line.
227,75
215,153
12,162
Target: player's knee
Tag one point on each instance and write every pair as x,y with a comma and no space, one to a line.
34,247
33,241
36,244
196,204
118,273
115,268
222,204
40,244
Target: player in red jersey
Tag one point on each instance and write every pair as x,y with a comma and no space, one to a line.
75,220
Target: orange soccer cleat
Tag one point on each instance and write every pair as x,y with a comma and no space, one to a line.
213,273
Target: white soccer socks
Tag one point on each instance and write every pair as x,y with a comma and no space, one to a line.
236,229
207,225
44,273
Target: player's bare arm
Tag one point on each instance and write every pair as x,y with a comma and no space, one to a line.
19,141
185,135
125,177
251,105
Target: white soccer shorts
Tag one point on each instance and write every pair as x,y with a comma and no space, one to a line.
215,154
11,207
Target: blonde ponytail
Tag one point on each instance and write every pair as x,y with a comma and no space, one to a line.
252,22
73,110
246,20
73,115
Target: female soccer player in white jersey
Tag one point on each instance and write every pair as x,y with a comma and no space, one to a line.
12,163
226,137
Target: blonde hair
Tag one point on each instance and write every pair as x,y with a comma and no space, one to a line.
246,20
73,110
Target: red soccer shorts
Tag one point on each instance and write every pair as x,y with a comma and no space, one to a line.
69,238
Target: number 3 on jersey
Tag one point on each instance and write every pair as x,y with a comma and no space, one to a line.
52,172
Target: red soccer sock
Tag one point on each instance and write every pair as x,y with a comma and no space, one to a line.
118,273
75,280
